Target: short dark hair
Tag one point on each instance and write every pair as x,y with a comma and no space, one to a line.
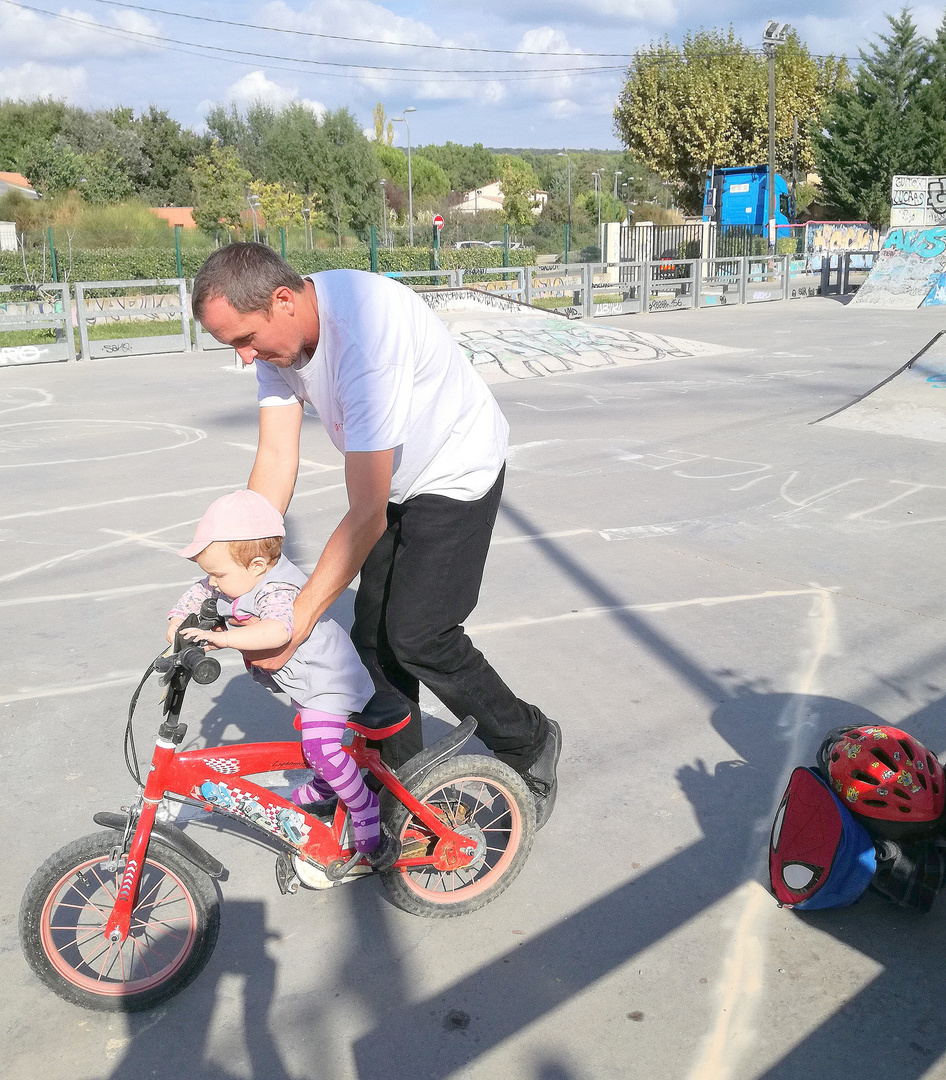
246,276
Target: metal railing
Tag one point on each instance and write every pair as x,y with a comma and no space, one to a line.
116,307
43,315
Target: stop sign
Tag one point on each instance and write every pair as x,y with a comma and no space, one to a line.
438,222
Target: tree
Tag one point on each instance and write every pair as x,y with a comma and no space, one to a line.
383,132
277,205
346,173
26,124
220,183
467,167
170,151
683,110
249,135
430,182
519,185
890,121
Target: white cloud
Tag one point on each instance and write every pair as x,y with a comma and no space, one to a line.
593,12
255,86
563,109
32,80
24,33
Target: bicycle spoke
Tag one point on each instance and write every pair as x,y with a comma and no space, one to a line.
108,953
141,957
95,871
89,902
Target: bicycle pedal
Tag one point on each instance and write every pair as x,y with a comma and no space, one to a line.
314,877
286,877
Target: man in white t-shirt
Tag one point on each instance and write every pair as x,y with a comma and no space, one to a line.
424,444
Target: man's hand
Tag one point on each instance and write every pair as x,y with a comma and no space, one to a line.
368,479
274,659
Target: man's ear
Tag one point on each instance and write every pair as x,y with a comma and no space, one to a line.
285,298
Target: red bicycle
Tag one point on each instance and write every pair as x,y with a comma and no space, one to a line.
125,918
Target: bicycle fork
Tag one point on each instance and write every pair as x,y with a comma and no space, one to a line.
118,925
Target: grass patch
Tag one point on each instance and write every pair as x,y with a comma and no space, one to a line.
133,328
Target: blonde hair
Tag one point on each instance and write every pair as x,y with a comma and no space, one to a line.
245,551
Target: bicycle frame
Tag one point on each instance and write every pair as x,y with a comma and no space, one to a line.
217,778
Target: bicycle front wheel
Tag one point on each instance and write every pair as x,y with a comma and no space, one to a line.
65,908
483,799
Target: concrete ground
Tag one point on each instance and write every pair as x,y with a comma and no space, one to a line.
693,580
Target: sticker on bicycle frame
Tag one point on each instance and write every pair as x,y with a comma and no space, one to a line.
279,820
222,765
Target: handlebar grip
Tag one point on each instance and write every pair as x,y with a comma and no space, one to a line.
203,669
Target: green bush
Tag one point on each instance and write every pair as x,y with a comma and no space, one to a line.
114,264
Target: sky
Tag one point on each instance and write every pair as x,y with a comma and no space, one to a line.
532,85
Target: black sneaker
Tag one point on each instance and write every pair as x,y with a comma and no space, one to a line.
324,809
387,853
541,778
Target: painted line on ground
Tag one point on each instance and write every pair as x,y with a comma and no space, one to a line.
667,605
189,435
121,678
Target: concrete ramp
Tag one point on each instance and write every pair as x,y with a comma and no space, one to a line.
910,271
508,340
910,402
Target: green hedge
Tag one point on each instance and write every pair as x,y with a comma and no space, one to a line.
136,263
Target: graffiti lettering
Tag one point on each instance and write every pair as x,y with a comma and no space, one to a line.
673,303
936,191
20,354
927,243
112,347
909,198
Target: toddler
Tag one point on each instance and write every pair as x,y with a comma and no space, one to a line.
238,545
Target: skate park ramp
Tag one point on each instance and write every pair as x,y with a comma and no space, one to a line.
910,271
509,340
910,402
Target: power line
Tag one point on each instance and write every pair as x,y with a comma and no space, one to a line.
358,40
499,74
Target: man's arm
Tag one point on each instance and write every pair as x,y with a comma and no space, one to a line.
277,454
368,479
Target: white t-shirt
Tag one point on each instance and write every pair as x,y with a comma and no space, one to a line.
386,374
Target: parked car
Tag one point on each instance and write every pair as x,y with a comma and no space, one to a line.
470,244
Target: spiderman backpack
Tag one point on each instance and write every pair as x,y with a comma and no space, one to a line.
819,855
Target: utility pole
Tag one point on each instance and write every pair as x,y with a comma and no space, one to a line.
568,225
775,34
410,185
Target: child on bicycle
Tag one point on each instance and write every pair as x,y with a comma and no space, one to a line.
238,545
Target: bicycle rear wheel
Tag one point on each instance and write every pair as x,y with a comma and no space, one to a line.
67,904
483,799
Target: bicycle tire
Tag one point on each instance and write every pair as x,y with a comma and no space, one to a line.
488,800
174,926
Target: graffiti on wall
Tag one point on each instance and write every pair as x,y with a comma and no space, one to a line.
838,237
908,270
918,201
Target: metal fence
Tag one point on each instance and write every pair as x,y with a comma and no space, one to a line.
35,325
38,324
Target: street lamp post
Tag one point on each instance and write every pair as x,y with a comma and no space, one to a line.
597,175
617,173
253,201
774,34
410,185
305,226
384,212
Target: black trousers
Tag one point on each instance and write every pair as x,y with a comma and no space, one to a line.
418,585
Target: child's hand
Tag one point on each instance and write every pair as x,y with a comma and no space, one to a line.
173,624
210,639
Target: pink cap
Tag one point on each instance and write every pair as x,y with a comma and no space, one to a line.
241,515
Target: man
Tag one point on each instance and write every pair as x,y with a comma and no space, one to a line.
424,444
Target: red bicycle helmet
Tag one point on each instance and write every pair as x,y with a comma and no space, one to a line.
884,774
